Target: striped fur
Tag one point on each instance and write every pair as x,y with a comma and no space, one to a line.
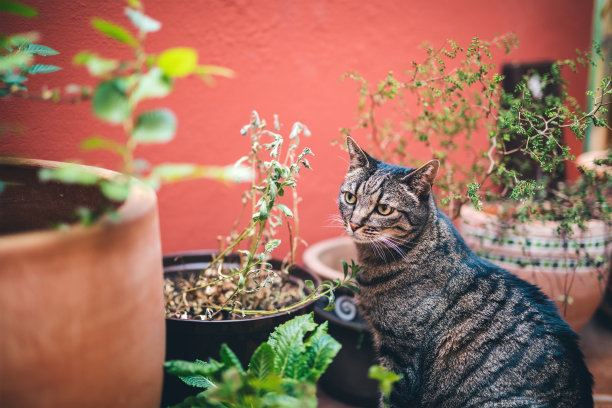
461,331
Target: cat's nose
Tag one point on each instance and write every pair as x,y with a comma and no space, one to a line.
354,226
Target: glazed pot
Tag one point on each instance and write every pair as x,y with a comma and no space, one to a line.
81,308
200,339
346,379
572,271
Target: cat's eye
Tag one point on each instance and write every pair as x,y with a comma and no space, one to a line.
384,209
350,198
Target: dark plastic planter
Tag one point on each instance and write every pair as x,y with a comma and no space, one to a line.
346,379
198,339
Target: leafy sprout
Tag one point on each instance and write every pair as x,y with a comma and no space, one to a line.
122,86
282,371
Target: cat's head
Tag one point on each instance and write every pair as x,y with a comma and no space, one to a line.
382,204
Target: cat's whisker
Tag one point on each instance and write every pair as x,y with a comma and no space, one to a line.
389,243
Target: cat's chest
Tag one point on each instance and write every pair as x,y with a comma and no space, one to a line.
399,315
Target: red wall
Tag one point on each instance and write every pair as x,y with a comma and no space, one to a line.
288,56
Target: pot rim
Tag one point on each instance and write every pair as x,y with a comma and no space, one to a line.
209,252
138,203
312,256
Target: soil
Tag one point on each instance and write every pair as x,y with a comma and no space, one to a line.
268,291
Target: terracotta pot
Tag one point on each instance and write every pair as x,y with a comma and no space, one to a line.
199,339
602,400
347,377
567,270
81,308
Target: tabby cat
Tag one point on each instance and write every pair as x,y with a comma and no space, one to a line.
461,331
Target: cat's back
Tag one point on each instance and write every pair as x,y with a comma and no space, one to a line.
500,342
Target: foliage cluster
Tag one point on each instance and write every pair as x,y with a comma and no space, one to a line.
273,186
122,86
18,51
282,372
454,103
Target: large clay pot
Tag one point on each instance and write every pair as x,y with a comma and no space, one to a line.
81,308
199,339
347,377
571,271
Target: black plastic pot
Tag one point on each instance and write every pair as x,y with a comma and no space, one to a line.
346,379
198,339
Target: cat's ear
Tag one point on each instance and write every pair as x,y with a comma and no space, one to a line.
421,180
358,157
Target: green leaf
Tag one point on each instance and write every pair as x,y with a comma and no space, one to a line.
110,102
270,246
229,358
142,21
198,381
178,62
175,172
310,285
185,368
100,143
287,341
114,31
153,84
19,41
116,190
155,126
385,378
97,66
70,174
18,8
321,348
38,49
285,210
13,61
262,362
42,69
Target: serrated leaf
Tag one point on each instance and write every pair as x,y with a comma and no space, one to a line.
40,50
114,31
230,359
185,368
262,362
198,381
321,348
287,341
17,8
42,69
178,62
285,210
97,66
116,190
110,102
155,126
142,21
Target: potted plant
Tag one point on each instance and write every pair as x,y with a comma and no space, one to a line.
452,105
238,294
81,278
455,101
282,371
